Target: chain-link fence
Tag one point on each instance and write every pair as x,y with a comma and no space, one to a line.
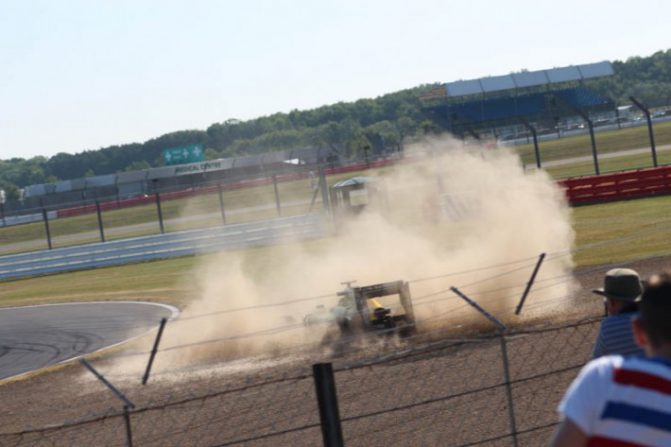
235,200
457,383
478,389
189,200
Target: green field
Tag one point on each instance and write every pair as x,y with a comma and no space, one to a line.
606,165
606,142
620,231
243,205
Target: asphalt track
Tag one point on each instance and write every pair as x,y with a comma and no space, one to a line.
35,337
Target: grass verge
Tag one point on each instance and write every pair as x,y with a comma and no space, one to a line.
606,141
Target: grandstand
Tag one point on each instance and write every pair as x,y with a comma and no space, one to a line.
533,99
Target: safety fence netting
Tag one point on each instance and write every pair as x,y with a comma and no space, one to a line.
486,389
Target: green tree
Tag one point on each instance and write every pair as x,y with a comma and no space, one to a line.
428,127
137,166
211,154
345,127
384,136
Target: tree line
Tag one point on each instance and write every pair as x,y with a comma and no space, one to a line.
380,124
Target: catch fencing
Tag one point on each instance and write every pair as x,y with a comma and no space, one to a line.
449,393
246,199
103,219
241,199
163,246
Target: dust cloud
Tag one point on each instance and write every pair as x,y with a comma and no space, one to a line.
457,215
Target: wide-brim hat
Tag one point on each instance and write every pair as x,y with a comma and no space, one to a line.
621,284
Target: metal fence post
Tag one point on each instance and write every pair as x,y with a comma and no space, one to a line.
160,212
100,221
46,227
651,134
595,156
501,329
277,196
537,152
221,202
327,400
518,309
509,389
128,405
323,185
590,125
129,431
145,378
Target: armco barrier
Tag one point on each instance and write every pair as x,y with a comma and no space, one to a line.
8,221
163,246
618,186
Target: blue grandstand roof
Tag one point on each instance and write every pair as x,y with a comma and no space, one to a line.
528,79
547,105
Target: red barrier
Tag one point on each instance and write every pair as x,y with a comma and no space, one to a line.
618,186
104,206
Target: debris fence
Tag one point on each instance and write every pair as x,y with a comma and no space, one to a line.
453,392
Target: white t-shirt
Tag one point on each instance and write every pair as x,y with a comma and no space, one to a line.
625,399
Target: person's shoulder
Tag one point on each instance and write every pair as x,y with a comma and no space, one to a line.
655,365
602,367
619,319
607,361
588,392
616,325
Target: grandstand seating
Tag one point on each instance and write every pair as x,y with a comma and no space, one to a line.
511,109
498,108
580,97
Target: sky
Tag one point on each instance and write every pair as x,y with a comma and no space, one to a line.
80,75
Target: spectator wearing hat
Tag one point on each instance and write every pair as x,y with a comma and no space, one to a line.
621,290
626,401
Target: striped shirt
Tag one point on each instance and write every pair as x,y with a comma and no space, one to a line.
616,337
622,402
